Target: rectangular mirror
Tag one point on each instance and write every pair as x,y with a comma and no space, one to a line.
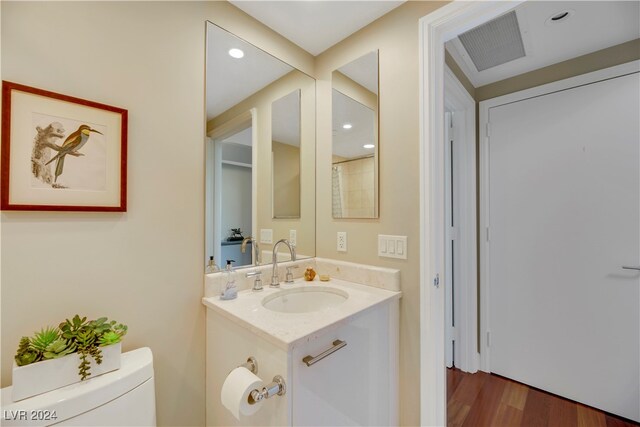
260,153
285,147
355,142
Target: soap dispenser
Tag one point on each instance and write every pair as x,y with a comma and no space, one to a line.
211,266
228,289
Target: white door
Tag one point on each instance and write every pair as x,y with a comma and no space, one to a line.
564,217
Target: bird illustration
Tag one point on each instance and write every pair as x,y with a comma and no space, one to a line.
71,145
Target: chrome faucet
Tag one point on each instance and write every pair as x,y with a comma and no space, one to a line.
256,249
275,280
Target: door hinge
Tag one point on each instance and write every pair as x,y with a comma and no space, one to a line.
453,233
488,129
488,339
487,233
454,333
436,281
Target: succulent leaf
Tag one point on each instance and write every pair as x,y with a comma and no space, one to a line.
42,339
59,348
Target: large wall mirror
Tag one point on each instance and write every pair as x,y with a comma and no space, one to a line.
260,156
354,173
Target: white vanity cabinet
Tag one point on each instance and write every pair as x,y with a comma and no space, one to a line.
356,384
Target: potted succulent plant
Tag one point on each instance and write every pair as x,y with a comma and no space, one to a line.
72,352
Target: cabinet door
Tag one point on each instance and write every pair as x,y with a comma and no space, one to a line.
355,385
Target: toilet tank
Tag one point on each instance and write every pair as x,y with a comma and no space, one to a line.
125,397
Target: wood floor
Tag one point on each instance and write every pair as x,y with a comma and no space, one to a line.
483,399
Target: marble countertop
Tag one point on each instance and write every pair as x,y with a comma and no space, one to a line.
286,330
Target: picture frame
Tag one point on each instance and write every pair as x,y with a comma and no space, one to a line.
61,153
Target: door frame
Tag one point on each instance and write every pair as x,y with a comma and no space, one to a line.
435,29
485,131
465,268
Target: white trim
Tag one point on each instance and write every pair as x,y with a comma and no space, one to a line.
485,106
434,30
458,100
232,163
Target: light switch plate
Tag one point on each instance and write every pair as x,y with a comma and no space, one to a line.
293,237
342,241
266,235
392,246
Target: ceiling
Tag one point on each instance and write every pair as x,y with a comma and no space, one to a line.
315,26
285,119
242,138
348,143
591,26
363,71
231,80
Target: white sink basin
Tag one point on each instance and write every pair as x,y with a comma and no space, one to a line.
305,299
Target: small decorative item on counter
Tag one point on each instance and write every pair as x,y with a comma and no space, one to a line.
228,289
309,274
212,267
324,278
236,235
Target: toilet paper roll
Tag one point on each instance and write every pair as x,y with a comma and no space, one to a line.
235,392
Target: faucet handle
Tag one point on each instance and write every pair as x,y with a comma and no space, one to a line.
257,284
289,278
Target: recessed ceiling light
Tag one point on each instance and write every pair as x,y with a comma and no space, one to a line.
559,17
236,53
368,146
347,126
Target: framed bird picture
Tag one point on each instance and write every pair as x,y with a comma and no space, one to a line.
61,153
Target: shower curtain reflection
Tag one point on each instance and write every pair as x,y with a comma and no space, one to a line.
353,188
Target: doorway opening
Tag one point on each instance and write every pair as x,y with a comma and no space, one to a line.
437,225
229,187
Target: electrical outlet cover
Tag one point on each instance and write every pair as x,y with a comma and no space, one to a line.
342,241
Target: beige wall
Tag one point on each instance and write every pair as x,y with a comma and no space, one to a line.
286,179
396,37
261,101
147,57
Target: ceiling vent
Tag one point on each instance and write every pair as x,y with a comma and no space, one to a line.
495,42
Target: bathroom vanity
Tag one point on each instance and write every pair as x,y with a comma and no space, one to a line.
335,343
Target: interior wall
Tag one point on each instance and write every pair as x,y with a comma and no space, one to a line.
396,37
147,57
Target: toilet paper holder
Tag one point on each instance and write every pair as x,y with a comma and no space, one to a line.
251,364
276,388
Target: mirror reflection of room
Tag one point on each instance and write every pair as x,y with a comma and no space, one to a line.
354,171
260,152
285,146
236,174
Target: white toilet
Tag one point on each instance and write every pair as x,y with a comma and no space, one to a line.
125,397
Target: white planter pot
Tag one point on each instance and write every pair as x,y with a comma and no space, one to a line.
41,377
